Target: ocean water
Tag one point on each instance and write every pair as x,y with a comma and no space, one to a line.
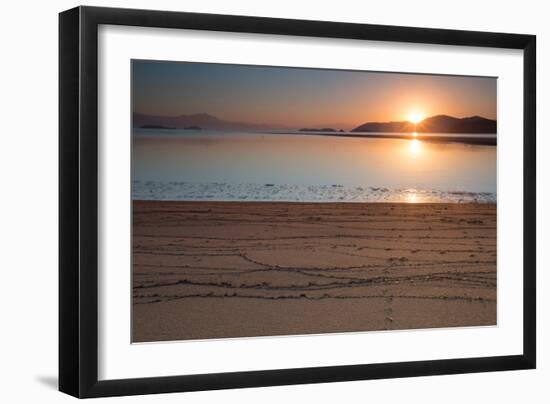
234,166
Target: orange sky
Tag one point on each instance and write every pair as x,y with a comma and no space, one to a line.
297,97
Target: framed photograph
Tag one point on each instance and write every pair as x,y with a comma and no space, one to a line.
252,202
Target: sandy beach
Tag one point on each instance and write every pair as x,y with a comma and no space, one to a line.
240,269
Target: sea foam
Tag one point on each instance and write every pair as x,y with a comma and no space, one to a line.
189,191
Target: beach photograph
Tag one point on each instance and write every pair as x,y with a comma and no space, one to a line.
276,201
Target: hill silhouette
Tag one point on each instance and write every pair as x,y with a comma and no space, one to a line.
434,124
202,120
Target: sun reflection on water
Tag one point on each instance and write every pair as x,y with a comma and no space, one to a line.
411,197
414,147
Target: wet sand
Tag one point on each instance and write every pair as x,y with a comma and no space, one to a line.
241,269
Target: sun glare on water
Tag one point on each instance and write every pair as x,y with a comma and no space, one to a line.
412,198
414,148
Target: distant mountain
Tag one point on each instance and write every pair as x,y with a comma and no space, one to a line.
403,126
317,130
203,121
434,124
156,127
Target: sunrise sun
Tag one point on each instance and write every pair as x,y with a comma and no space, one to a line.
415,117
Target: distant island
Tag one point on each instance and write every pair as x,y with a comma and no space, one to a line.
434,124
318,130
194,122
156,127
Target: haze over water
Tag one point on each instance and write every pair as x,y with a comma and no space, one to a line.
237,166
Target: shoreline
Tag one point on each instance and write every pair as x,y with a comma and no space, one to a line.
205,270
481,139
290,193
210,202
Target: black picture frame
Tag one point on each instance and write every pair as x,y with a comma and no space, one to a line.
78,201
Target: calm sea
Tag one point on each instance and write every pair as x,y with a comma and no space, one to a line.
234,166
